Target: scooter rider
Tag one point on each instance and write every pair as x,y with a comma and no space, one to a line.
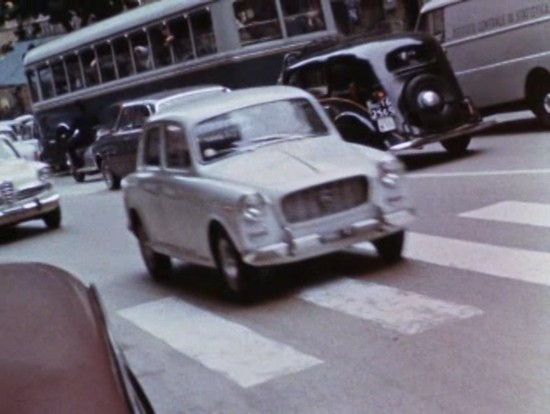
82,135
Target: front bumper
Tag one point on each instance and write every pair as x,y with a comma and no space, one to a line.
464,130
312,245
28,209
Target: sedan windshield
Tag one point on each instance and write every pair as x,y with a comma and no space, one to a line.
6,150
248,128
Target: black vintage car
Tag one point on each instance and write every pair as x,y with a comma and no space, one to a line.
115,149
392,92
58,353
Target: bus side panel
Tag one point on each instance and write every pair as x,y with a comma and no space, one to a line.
493,50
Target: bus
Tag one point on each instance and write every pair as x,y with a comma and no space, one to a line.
168,44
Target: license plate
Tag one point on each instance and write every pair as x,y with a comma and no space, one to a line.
380,109
386,124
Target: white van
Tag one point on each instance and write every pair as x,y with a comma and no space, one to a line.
499,50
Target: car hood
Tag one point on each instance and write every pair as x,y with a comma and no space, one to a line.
296,163
18,171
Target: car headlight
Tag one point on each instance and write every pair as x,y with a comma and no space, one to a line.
253,207
44,174
390,172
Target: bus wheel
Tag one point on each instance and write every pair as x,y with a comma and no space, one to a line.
78,176
539,100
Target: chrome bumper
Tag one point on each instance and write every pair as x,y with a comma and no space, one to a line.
311,245
463,130
28,209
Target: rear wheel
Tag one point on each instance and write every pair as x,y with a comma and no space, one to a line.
238,277
456,146
539,101
111,180
52,219
158,265
390,247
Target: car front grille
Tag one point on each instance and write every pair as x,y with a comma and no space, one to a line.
324,200
30,192
7,192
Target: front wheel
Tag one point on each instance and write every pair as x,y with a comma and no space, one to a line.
238,277
390,247
52,219
158,265
111,180
456,146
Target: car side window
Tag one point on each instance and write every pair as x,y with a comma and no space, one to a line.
311,78
141,113
151,150
176,149
126,116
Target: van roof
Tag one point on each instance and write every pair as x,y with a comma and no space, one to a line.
437,4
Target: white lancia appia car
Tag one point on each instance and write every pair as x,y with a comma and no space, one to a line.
26,192
256,178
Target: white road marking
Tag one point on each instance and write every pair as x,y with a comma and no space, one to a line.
478,173
223,346
514,212
506,262
405,312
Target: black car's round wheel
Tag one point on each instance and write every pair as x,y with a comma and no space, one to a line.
238,277
456,146
52,219
111,180
390,247
158,265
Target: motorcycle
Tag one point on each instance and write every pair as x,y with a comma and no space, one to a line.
81,159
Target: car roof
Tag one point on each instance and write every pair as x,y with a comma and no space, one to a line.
372,47
55,354
169,94
211,106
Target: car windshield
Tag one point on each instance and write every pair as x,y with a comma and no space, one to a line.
246,129
6,150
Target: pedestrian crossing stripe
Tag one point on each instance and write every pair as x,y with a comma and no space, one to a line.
515,212
525,265
405,312
231,349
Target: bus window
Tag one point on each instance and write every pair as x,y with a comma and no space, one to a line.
181,40
203,32
141,52
162,41
33,84
121,48
91,70
257,20
105,61
45,79
302,17
59,79
75,74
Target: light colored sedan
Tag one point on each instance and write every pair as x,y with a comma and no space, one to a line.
26,192
256,178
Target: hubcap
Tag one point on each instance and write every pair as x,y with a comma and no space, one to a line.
229,264
546,103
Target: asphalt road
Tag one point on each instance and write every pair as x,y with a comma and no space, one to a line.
460,326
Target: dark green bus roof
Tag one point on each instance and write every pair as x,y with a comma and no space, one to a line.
108,28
